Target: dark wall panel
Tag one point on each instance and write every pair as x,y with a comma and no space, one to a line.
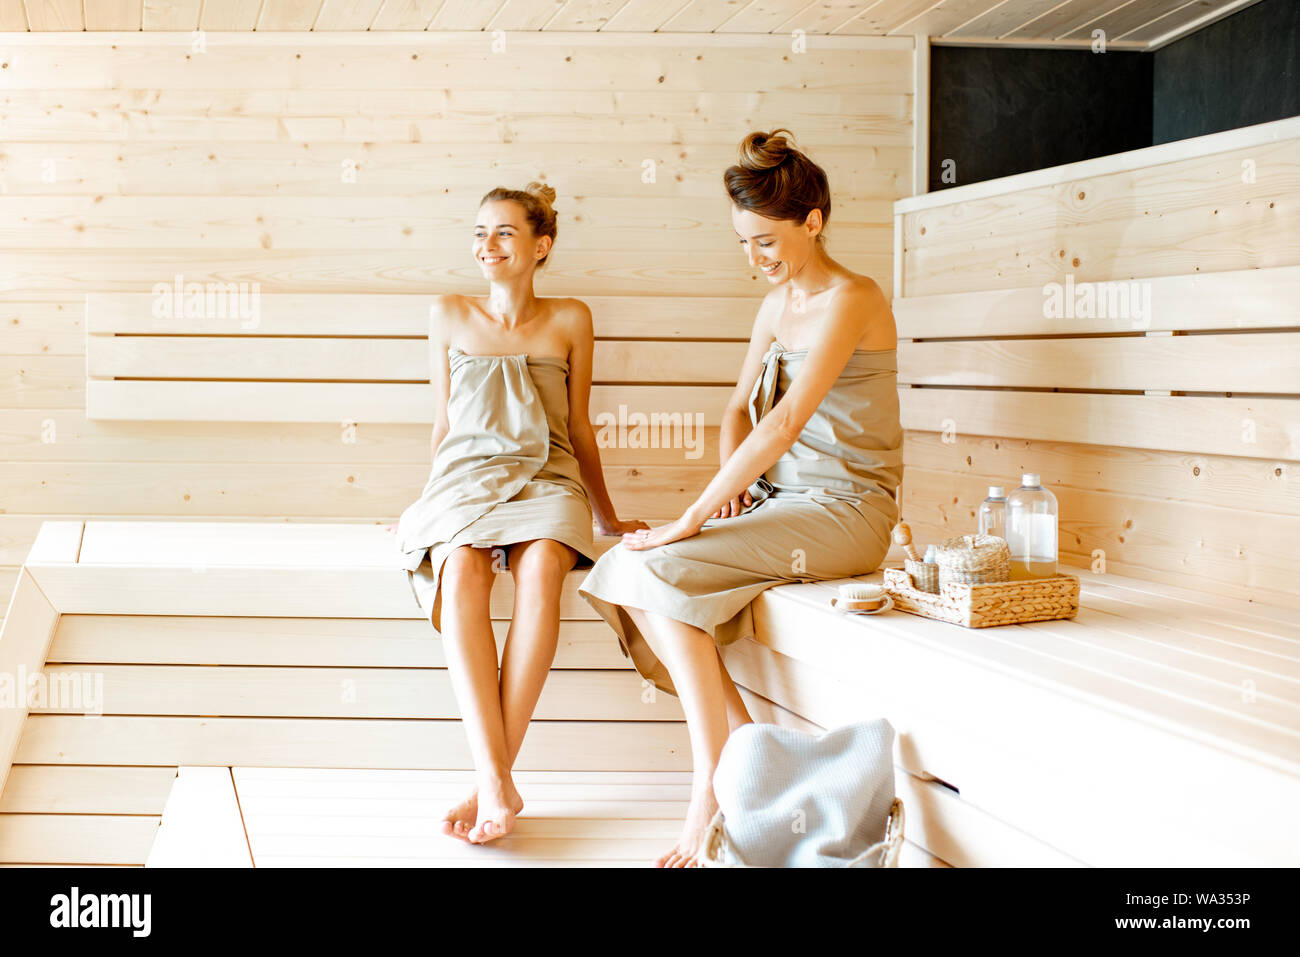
1239,71
998,111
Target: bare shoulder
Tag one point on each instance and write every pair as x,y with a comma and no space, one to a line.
862,290
769,312
447,312
862,297
573,318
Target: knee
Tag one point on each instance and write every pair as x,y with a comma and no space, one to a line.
468,568
543,561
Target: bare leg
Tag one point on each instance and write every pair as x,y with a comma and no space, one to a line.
471,652
692,659
737,713
539,567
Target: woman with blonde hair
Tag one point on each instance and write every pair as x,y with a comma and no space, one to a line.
515,482
811,449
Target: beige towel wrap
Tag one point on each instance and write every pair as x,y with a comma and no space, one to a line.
504,473
823,511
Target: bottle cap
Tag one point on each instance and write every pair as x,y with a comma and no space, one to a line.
997,491
1029,479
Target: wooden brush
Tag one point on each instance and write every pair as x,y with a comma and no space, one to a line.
902,536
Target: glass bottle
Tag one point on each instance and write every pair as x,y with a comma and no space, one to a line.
1031,530
993,513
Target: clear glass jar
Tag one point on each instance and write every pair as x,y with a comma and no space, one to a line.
1031,529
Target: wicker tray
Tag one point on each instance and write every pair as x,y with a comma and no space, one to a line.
994,603
715,852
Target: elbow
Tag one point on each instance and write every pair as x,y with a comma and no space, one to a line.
785,429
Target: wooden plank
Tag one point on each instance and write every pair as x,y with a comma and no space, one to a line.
56,15
1250,363
417,171
342,743
1215,611
76,838
202,825
1218,548
471,116
447,61
1146,222
1185,20
56,543
364,359
910,855
305,642
401,314
713,271
73,789
328,493
1235,299
262,591
230,16
296,692
414,37
115,15
29,624
1262,428
266,444
1245,137
354,402
963,836
1242,484
171,14
206,544
1166,701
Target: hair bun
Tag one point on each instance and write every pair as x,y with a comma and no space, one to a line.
542,191
759,151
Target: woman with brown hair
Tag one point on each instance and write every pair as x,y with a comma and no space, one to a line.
811,450
516,480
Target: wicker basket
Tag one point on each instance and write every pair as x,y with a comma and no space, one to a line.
715,853
973,560
925,575
992,603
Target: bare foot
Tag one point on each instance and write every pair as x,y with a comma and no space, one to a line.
685,853
461,817
497,807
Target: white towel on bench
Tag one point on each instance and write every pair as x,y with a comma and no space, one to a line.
791,799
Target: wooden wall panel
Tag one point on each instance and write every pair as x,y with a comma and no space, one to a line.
1169,433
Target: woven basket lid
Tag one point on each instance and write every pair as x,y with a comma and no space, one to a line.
970,544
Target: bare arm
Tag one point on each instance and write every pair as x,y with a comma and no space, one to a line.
581,434
736,425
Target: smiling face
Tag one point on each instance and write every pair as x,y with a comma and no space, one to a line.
778,248
504,244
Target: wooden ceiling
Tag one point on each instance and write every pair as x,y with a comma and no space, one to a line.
1128,24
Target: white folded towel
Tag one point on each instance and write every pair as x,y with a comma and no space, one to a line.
791,799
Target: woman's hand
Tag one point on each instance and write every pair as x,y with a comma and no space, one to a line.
683,527
622,528
735,507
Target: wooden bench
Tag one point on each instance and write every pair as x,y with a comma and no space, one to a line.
1152,729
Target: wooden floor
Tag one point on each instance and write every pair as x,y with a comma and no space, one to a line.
279,817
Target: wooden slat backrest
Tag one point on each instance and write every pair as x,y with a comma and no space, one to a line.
343,357
1085,321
